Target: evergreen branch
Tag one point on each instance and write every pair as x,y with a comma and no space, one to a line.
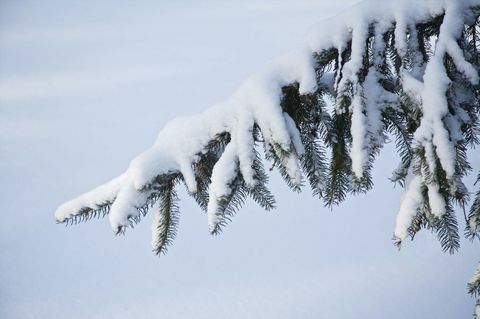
472,229
395,124
339,172
204,167
87,213
228,205
314,166
166,220
260,192
281,159
399,62
473,286
447,231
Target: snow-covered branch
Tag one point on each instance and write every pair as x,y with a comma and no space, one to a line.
404,68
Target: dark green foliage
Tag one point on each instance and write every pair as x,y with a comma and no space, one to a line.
445,227
474,287
166,221
473,221
339,171
86,213
260,192
229,205
314,125
152,193
280,156
395,125
204,167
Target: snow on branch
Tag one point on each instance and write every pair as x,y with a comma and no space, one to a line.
404,68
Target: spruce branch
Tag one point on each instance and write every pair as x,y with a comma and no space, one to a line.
325,115
166,220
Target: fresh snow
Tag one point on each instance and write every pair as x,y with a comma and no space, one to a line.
223,174
476,276
257,100
411,200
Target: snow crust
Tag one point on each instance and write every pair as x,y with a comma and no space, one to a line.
257,101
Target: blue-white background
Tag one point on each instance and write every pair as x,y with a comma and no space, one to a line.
86,85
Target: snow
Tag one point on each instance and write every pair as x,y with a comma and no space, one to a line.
257,101
126,205
436,201
411,200
436,81
473,225
476,276
335,32
93,199
223,174
244,141
359,133
294,135
412,86
180,142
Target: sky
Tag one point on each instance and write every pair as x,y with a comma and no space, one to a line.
86,85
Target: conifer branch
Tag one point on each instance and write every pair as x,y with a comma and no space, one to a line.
166,219
325,114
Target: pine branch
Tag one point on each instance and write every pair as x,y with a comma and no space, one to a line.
473,286
339,172
446,228
281,159
228,205
260,192
381,67
204,167
87,213
166,219
394,123
472,229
